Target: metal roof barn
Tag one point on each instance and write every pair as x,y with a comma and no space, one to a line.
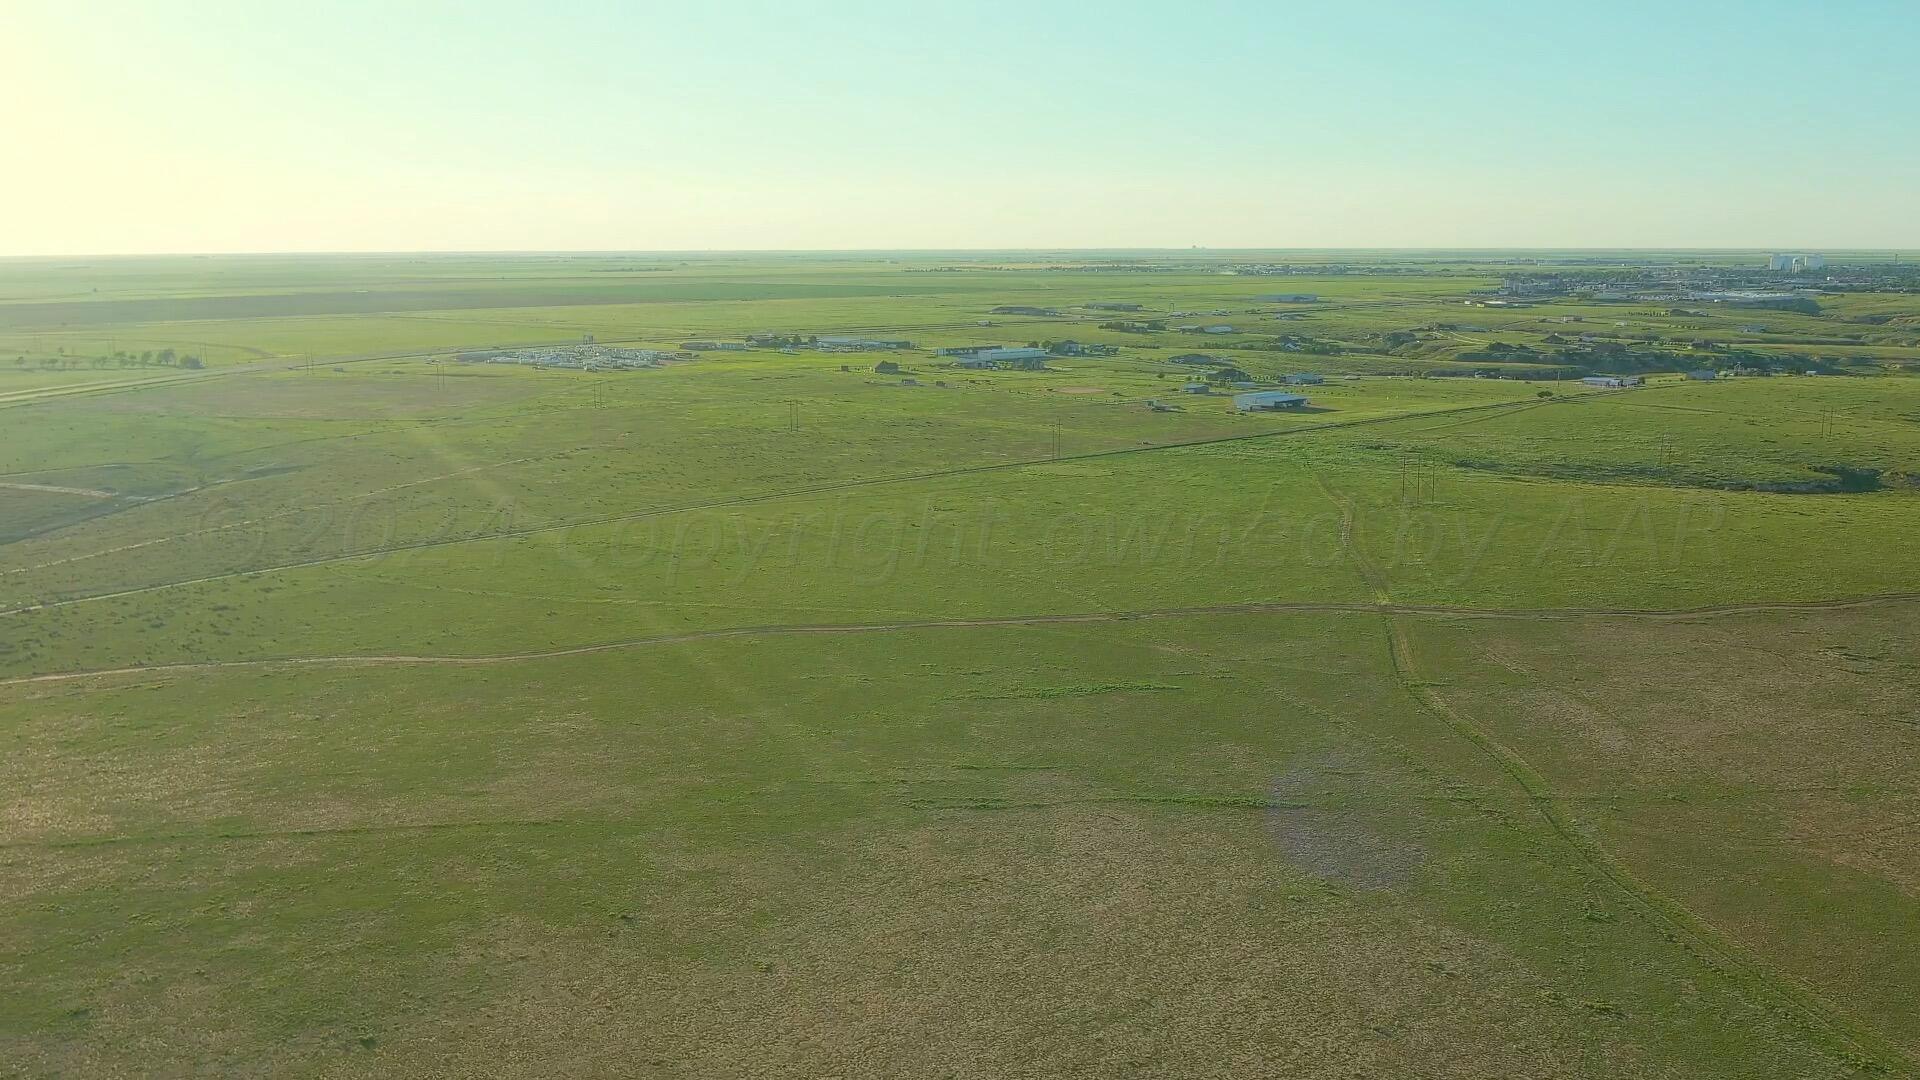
1265,400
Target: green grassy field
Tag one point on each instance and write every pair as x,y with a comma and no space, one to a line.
369,712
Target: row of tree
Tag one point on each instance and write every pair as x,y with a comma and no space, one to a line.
118,358
1620,358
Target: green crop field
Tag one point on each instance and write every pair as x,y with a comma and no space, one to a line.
373,705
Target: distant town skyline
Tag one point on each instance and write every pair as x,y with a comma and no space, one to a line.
223,126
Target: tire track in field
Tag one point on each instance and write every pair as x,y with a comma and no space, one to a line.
37,395
981,622
752,500
1797,1002
55,489
345,500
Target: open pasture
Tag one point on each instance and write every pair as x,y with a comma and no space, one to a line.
769,713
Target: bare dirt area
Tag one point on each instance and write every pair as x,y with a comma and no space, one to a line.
1321,821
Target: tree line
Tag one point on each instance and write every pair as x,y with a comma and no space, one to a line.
122,358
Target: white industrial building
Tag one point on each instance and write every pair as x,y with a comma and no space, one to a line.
1796,264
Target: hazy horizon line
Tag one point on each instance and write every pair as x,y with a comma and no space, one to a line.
1363,249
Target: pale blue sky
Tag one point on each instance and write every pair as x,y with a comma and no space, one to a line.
222,125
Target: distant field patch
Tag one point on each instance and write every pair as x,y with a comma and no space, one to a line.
1087,690
374,302
30,509
351,394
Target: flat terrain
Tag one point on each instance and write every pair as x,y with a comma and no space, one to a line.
366,710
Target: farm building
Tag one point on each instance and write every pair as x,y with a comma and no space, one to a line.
843,341
1197,388
1305,378
966,350
1011,356
1082,348
1114,307
1267,401
1196,359
1021,359
1702,375
586,357
1611,382
1021,309
1217,328
1288,298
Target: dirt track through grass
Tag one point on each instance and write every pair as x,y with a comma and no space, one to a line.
1798,1003
1071,618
